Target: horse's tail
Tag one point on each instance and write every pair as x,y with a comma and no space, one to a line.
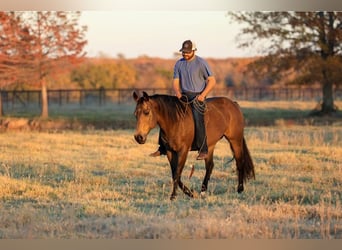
248,166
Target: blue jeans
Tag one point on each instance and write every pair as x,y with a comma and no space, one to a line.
198,109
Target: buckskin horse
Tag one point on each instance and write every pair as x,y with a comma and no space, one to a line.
223,118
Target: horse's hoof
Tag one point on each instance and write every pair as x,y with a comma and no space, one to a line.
194,194
172,197
240,189
203,194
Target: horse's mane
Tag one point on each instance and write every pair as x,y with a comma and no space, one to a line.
170,106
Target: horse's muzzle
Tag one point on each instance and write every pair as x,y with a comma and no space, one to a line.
140,139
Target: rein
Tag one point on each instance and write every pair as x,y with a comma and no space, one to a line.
201,107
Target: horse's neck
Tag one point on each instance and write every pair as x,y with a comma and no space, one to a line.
170,126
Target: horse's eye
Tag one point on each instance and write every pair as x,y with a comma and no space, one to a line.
146,112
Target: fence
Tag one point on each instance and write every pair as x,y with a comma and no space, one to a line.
103,96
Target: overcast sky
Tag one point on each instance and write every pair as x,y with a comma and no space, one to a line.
160,33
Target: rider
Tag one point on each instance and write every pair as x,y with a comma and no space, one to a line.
193,80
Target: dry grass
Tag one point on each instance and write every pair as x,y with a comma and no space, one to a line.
101,184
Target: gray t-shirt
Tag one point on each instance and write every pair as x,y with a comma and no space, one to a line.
192,75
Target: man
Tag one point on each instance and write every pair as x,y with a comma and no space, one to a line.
192,79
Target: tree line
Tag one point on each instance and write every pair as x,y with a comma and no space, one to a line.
40,49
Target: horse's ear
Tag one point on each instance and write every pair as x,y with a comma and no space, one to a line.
145,95
135,96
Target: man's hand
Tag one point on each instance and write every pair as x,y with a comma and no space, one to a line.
201,98
179,95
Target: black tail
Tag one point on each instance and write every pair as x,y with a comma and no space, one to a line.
248,166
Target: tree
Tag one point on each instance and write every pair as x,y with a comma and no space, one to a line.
105,74
48,40
308,44
57,37
10,45
89,75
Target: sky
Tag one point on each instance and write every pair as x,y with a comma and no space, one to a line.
157,28
160,33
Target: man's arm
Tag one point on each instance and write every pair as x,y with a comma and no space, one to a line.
211,82
176,87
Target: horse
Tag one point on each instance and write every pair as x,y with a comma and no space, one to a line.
223,118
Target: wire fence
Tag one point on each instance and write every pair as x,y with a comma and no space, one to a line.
100,97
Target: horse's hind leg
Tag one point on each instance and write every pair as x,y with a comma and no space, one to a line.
209,165
237,148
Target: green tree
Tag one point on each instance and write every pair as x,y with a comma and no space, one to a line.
308,44
124,75
89,75
105,74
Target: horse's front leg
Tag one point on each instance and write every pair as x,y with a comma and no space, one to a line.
181,163
209,165
185,189
177,162
173,160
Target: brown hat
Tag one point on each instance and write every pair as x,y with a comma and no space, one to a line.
188,46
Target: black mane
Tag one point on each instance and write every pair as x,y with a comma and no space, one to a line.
170,106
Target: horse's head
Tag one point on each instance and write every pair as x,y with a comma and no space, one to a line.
145,115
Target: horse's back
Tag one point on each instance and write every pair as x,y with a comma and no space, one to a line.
224,104
224,116
219,100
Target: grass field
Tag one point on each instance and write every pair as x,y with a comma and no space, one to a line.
102,184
